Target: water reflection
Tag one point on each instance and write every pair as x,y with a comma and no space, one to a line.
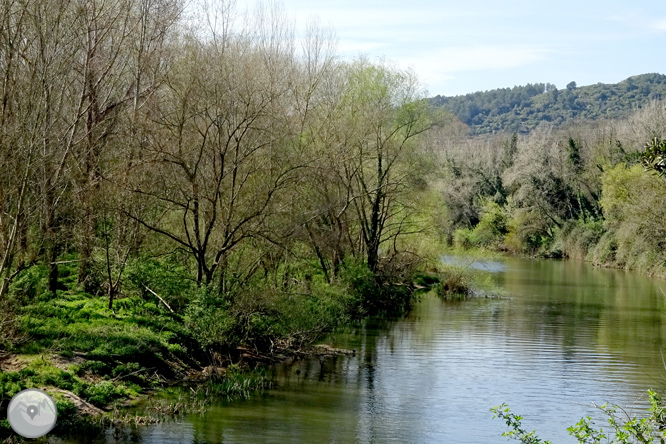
568,335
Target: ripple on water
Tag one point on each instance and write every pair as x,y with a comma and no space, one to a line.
569,335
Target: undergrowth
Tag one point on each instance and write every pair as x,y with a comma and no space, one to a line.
162,327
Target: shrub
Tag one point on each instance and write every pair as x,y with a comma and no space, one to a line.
375,294
104,393
622,431
463,238
632,202
527,232
492,225
208,318
579,238
455,283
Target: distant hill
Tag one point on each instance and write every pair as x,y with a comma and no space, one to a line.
523,108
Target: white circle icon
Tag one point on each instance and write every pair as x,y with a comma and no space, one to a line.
32,413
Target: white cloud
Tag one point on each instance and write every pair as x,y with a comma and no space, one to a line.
354,47
438,67
640,21
476,58
660,25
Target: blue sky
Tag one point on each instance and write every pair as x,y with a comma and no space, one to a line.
463,46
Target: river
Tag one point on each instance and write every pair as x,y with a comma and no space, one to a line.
565,335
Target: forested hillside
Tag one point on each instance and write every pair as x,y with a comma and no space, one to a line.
523,108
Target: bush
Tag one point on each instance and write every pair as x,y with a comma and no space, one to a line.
527,232
579,238
455,283
463,238
632,430
104,393
168,277
208,318
375,294
492,226
632,202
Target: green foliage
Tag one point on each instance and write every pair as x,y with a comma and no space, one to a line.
169,277
236,383
375,294
104,393
632,203
585,433
632,430
30,284
523,108
527,232
459,282
463,238
295,312
455,282
207,316
79,322
567,194
41,372
516,430
578,238
654,157
66,409
491,228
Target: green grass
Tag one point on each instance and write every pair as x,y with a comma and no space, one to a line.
112,358
83,324
40,372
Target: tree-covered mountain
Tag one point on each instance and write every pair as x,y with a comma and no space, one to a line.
523,108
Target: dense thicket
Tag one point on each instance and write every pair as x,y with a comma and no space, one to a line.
523,108
579,191
244,180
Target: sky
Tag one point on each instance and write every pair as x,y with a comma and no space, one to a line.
463,46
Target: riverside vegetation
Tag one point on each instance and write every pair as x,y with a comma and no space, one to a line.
589,191
586,190
185,195
623,429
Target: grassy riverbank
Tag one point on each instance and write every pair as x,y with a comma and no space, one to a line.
96,362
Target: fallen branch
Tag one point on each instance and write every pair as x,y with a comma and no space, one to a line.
83,407
158,297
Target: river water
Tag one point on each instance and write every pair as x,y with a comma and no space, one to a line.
566,335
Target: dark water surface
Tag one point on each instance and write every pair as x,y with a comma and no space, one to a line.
566,336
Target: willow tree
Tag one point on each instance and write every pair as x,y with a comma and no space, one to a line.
383,112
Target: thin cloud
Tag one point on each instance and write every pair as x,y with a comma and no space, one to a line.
640,22
355,46
438,68
660,25
477,58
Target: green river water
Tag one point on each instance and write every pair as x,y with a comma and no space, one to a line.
565,336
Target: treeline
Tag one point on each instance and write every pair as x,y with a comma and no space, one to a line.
580,191
521,109
246,181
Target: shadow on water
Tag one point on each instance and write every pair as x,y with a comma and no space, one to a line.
567,335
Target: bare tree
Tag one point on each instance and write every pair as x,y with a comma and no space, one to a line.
220,147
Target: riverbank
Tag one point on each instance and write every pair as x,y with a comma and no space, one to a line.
99,364
577,241
567,335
